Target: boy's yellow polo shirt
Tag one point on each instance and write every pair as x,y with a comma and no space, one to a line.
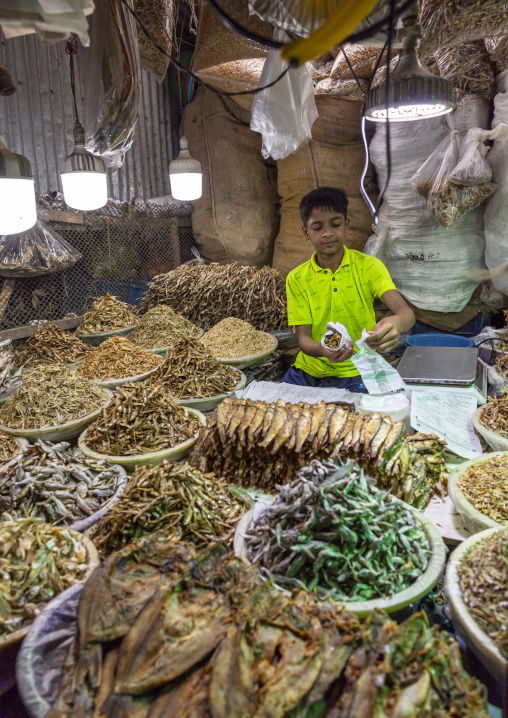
317,296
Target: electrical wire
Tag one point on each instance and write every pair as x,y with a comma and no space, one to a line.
352,69
387,103
71,49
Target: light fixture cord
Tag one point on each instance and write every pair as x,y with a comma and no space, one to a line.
387,102
71,48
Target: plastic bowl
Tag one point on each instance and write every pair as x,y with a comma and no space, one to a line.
493,439
252,360
286,338
96,339
211,402
149,459
398,601
58,433
473,519
162,351
466,626
438,340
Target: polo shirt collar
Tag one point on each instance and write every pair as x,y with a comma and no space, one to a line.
346,261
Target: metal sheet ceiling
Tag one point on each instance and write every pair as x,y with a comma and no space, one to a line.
37,121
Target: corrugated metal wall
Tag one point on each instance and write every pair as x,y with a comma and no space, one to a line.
37,121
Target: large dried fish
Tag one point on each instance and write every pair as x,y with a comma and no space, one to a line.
106,315
117,358
51,345
162,327
233,338
208,293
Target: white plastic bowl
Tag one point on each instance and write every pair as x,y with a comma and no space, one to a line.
96,339
112,384
466,626
59,433
493,439
209,403
252,360
149,459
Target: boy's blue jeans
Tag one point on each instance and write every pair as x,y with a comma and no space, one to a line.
301,378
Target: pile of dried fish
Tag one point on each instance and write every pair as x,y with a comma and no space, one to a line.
333,531
9,377
162,327
502,363
37,561
483,577
60,486
207,293
106,315
233,338
333,341
485,485
449,202
172,633
190,371
9,447
139,420
263,444
51,345
174,498
117,358
51,395
494,414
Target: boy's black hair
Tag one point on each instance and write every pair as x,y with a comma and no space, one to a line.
328,198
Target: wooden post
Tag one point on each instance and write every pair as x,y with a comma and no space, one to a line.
175,241
5,295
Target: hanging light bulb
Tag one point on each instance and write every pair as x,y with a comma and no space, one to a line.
185,175
84,179
18,211
413,93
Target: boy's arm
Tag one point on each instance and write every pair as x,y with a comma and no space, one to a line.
385,334
312,348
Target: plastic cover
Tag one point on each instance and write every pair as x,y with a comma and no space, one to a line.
111,72
39,250
283,114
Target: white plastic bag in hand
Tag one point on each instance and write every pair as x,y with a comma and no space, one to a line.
377,375
283,114
334,328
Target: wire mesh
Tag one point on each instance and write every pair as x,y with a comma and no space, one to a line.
123,248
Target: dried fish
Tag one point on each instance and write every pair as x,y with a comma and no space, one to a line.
449,202
51,395
106,315
207,293
140,419
333,340
9,447
483,578
117,358
174,498
162,327
60,486
37,562
189,371
485,485
494,414
51,345
233,338
9,376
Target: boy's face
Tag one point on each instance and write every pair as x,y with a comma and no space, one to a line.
326,230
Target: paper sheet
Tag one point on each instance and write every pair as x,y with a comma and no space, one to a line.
448,416
271,391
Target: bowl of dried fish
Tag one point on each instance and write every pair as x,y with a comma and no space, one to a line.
60,558
160,328
211,402
51,345
491,422
107,317
235,342
10,447
162,351
476,586
96,339
479,490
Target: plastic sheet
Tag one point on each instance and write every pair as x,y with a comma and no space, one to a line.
283,114
111,73
39,250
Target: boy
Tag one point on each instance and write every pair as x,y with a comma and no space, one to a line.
337,284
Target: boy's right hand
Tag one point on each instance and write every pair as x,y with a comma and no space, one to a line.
340,356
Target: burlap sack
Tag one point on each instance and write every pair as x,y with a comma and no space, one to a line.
236,218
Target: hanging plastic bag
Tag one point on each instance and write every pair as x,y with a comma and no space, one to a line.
283,114
446,154
472,167
111,77
39,250
377,375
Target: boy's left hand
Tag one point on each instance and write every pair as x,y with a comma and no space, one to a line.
385,335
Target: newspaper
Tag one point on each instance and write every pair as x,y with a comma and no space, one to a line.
292,393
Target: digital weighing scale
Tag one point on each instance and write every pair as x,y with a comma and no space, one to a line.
445,369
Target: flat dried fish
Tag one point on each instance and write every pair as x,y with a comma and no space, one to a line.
162,327
117,358
233,338
51,345
106,315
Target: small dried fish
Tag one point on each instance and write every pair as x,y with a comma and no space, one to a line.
161,327
106,315
233,338
9,377
494,414
51,345
485,485
9,447
60,486
140,419
117,358
51,395
189,371
174,498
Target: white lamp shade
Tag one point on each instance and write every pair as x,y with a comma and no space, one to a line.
17,205
85,190
186,186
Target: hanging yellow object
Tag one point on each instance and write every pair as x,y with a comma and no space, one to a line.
339,25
